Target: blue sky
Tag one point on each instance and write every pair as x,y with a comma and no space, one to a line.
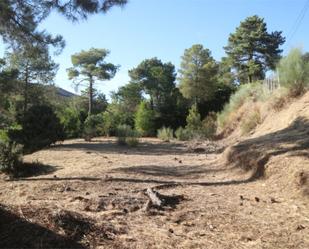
164,28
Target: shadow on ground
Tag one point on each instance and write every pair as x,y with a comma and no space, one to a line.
16,232
186,171
34,169
111,146
253,154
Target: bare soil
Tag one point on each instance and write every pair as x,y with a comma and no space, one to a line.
91,195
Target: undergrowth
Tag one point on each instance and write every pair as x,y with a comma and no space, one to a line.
246,93
127,136
166,134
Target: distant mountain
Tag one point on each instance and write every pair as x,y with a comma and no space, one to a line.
64,93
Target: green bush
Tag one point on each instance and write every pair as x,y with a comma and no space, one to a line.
93,126
144,120
194,122
294,72
247,92
40,127
70,119
114,116
10,157
183,134
132,141
4,137
127,136
122,132
165,134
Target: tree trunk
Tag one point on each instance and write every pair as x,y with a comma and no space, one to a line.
26,91
90,96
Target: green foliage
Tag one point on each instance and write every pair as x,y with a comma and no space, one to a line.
70,120
198,74
116,114
132,141
40,127
93,126
294,72
247,92
90,66
183,134
34,66
20,20
128,97
251,121
10,157
144,120
4,137
166,134
99,103
123,107
157,79
252,50
194,122
127,136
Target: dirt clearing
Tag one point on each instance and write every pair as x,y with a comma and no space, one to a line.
92,195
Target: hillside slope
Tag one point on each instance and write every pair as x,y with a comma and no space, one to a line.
278,148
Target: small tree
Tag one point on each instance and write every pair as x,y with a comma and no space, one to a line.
40,127
34,66
89,66
144,119
294,71
194,122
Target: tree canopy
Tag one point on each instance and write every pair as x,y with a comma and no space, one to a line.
19,20
90,66
197,74
156,78
34,66
252,50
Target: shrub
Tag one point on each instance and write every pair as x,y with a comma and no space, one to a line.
4,136
279,99
93,126
209,125
132,141
165,134
248,92
10,157
114,116
294,72
123,131
183,134
194,122
144,120
70,120
127,136
40,127
251,121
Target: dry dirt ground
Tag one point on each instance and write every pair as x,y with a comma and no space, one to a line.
91,195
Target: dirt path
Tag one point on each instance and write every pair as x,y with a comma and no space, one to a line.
98,188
